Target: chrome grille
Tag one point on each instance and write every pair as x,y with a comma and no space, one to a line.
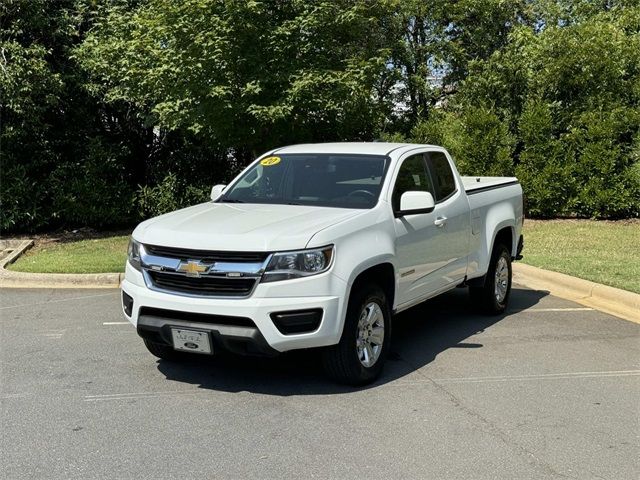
226,274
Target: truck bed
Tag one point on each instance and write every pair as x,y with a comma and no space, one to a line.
480,184
491,200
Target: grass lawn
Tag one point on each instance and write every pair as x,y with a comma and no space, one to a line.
603,252
600,251
83,256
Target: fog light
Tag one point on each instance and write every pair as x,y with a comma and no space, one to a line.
297,321
127,304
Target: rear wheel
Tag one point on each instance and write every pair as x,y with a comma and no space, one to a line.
492,297
359,357
165,352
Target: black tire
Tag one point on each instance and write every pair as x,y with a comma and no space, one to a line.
165,352
485,297
342,361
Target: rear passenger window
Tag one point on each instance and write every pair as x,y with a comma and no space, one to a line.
442,175
412,177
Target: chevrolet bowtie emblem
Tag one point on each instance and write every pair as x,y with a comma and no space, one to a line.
192,268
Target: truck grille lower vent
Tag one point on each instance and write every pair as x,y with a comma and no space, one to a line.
197,317
206,285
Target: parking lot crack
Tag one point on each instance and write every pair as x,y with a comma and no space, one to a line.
490,427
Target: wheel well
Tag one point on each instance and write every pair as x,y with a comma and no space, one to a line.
504,237
382,275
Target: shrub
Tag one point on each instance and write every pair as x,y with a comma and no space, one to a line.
606,163
170,194
477,138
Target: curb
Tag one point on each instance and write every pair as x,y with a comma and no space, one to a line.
614,301
11,279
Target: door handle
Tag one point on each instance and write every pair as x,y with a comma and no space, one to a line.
440,222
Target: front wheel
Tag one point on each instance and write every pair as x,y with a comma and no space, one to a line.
359,357
493,296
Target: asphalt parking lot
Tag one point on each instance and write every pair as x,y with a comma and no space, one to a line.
550,390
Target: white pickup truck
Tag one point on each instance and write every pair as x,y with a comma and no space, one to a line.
318,246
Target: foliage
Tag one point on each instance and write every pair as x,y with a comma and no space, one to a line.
248,75
114,110
476,138
168,195
30,89
61,161
561,104
435,41
69,155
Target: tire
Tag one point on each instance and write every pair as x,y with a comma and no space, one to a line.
356,360
489,298
165,352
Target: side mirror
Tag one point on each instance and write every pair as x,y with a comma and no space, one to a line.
217,191
413,203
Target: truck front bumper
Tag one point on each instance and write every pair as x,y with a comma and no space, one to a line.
265,323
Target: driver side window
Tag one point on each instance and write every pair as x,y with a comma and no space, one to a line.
412,177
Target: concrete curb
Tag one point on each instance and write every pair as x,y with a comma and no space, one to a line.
11,279
614,301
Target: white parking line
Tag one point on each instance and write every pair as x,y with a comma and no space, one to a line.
568,309
134,395
57,301
521,378
543,376
57,334
7,396
115,323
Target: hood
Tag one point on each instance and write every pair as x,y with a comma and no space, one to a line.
240,227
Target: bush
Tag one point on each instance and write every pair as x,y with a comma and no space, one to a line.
20,203
477,138
588,171
170,194
564,117
93,191
545,168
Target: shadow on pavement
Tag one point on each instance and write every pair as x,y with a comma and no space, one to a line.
419,335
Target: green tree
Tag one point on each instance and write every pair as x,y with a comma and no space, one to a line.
246,75
63,151
30,89
112,110
435,42
566,89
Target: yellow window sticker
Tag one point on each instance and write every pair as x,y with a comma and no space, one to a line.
269,161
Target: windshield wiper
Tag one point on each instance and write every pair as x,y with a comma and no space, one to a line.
230,200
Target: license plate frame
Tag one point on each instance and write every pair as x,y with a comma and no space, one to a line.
190,340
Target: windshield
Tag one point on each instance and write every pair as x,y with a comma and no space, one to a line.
328,180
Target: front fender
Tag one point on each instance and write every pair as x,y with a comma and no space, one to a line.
361,243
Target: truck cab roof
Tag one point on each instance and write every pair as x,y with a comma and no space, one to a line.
366,148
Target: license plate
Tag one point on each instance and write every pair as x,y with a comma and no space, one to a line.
191,340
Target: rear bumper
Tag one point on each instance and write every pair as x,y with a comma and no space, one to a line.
258,336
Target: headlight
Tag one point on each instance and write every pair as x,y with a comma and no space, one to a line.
133,254
303,263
